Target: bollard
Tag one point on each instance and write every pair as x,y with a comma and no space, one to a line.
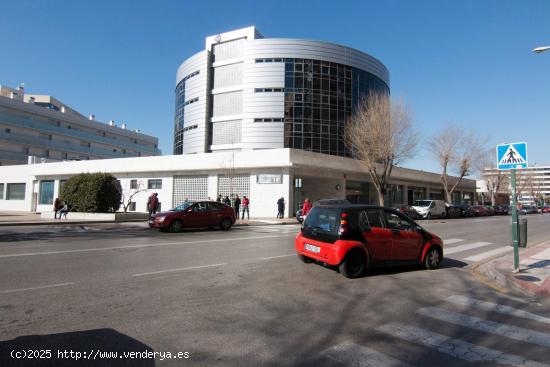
522,229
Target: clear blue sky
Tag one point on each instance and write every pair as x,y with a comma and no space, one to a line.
467,62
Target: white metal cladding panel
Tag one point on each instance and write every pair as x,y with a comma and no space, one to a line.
227,132
228,75
190,188
263,104
228,50
195,112
194,140
226,104
307,49
264,75
260,135
198,61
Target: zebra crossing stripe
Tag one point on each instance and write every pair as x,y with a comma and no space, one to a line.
467,247
488,254
450,241
496,328
350,354
493,307
455,347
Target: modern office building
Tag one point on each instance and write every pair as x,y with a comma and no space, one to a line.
532,184
44,128
254,116
247,92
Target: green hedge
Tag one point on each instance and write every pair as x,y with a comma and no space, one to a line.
92,193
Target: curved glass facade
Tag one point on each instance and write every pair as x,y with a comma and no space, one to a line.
319,98
179,118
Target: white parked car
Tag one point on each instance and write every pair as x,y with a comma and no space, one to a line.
429,209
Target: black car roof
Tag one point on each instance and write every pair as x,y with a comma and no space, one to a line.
352,206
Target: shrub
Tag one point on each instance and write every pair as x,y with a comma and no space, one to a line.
92,193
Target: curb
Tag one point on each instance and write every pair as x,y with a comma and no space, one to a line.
504,281
69,222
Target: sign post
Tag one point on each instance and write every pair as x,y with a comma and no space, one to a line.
511,157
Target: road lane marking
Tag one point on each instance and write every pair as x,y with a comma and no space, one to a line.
350,354
276,257
136,246
488,254
455,347
486,326
450,241
493,307
470,246
179,269
36,288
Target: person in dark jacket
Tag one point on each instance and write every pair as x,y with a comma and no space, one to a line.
56,207
227,201
219,199
281,208
237,205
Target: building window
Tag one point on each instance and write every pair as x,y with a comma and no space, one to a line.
1,191
46,192
132,206
15,191
8,130
133,184
154,184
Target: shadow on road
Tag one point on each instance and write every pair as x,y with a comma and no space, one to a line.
84,342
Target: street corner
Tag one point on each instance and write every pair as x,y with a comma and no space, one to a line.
534,274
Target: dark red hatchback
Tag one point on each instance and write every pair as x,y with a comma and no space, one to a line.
356,237
194,215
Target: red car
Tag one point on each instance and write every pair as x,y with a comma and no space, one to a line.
546,209
480,211
356,237
194,215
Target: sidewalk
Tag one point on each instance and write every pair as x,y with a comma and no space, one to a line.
26,218
534,275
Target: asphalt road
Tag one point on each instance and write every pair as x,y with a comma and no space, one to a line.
241,298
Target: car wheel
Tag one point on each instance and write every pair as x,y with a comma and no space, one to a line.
429,216
305,259
176,226
226,224
353,265
432,259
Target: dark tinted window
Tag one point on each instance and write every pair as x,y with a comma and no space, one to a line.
323,219
398,222
370,218
213,207
199,207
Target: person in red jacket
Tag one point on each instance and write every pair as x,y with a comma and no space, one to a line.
306,208
244,205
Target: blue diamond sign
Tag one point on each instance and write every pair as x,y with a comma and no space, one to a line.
510,156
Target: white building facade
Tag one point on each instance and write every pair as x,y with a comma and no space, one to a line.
45,128
256,117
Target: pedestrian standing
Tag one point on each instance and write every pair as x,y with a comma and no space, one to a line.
306,208
152,204
281,208
227,201
236,206
56,207
245,203
219,199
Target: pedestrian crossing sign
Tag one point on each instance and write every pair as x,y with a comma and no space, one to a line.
510,156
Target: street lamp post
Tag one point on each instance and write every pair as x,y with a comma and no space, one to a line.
540,49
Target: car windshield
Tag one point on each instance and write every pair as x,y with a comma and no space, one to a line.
422,203
324,219
182,206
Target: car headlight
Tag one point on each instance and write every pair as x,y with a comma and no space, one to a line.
160,219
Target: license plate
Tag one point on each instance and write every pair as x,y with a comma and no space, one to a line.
311,248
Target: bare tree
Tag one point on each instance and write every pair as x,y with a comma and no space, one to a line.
128,194
380,135
495,180
533,185
228,169
456,150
